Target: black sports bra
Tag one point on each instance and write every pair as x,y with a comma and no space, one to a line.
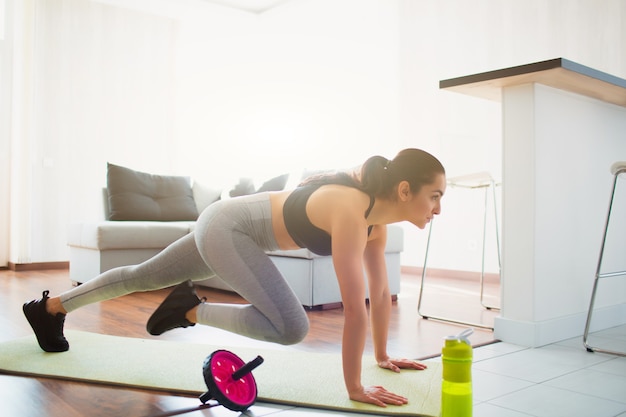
300,228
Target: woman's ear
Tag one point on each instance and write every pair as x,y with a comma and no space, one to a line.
404,190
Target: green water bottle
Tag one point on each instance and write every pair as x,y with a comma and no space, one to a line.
456,386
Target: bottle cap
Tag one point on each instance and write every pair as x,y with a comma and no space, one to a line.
463,336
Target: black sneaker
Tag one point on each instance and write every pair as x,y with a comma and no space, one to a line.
171,313
48,328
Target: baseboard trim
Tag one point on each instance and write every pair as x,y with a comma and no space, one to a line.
449,273
38,266
537,334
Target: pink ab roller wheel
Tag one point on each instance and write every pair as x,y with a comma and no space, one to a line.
229,380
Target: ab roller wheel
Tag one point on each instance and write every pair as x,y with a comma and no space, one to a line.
229,380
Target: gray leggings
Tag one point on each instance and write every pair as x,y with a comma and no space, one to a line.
229,241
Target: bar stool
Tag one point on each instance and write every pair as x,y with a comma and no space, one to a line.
480,180
617,169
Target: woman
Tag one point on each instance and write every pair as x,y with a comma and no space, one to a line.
342,214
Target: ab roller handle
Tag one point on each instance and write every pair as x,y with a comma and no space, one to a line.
247,368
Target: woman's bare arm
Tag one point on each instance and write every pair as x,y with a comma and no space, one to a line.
379,294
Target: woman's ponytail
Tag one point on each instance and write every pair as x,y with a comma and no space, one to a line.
375,178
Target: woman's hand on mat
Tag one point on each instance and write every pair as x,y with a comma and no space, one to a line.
379,396
397,364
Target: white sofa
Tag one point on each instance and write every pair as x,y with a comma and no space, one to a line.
98,246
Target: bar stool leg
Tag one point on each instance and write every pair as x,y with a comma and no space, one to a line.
492,186
600,275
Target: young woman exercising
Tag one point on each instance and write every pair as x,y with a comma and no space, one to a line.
341,214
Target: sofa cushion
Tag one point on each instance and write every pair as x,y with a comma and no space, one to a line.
245,186
204,196
135,195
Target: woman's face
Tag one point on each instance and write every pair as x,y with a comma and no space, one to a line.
426,203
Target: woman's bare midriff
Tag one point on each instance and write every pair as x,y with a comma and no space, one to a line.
284,240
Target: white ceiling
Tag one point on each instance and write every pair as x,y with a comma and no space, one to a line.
254,6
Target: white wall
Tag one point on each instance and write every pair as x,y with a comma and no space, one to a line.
310,84
103,92
93,85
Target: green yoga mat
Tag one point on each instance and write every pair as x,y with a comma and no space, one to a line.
286,377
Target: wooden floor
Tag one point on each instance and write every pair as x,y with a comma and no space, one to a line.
409,336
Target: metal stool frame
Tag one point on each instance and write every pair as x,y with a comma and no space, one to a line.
482,180
616,169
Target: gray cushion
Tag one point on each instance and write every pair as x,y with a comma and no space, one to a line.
274,184
135,195
244,187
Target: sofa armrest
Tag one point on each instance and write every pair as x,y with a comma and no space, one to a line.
120,235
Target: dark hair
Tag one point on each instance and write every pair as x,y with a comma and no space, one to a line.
379,176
